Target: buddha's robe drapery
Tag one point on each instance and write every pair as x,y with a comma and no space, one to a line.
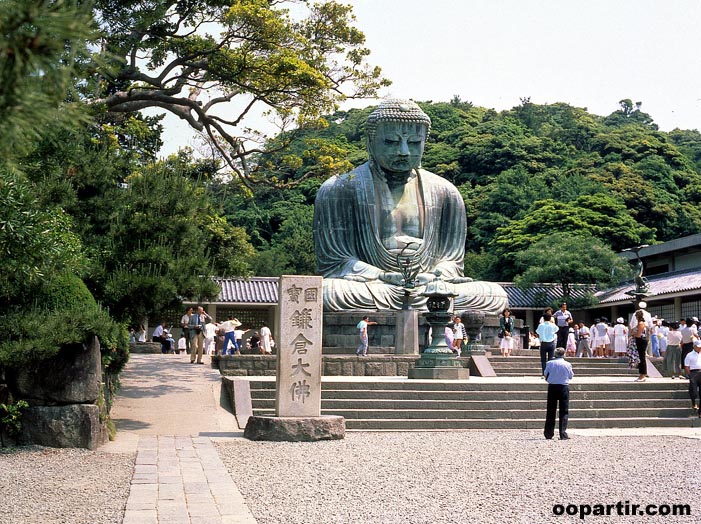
351,255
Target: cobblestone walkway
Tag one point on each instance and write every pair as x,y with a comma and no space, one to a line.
182,480
168,411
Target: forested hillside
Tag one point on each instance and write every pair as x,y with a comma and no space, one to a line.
524,173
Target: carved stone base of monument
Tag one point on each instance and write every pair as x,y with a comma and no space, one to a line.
295,429
407,333
439,366
475,349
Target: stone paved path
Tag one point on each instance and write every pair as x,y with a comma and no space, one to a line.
169,411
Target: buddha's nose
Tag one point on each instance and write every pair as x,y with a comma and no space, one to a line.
404,148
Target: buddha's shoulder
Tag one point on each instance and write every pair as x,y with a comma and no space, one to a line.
347,180
427,177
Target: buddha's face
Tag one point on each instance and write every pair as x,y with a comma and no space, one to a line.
398,146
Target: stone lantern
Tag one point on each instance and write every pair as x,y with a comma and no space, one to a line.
437,361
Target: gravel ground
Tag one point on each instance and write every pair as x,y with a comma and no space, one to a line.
462,477
63,486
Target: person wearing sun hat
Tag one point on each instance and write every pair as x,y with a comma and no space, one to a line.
620,337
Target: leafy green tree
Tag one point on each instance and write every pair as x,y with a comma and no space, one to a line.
34,241
292,60
40,43
569,259
292,250
37,44
49,306
598,217
630,113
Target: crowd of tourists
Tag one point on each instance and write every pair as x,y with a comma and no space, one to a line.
201,335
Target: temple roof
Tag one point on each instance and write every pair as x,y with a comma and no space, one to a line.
253,290
541,295
664,284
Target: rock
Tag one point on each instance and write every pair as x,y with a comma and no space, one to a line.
145,347
73,426
73,376
295,429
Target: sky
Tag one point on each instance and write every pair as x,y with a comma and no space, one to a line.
493,53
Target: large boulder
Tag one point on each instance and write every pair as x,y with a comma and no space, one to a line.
74,426
295,429
73,376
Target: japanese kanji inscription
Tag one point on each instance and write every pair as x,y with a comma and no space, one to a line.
299,347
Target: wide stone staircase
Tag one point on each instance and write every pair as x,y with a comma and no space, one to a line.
495,404
524,366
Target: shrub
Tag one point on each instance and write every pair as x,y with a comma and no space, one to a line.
39,334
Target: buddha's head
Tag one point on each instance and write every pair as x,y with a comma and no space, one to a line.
396,135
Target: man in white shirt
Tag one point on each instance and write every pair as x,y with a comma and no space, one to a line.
561,316
362,349
159,336
692,366
558,373
583,346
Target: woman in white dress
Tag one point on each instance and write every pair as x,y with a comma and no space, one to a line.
620,337
599,337
266,338
571,347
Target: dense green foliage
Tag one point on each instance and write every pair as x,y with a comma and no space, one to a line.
525,174
93,226
549,260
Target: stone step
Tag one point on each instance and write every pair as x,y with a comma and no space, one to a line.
536,358
468,385
599,370
484,405
444,405
375,394
536,372
372,350
603,364
461,424
498,413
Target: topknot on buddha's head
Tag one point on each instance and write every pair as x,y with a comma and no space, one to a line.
397,110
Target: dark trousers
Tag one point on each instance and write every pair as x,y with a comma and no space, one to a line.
163,341
641,346
686,349
562,334
695,386
547,351
557,394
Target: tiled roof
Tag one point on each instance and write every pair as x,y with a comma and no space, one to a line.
676,282
254,290
541,295
263,290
